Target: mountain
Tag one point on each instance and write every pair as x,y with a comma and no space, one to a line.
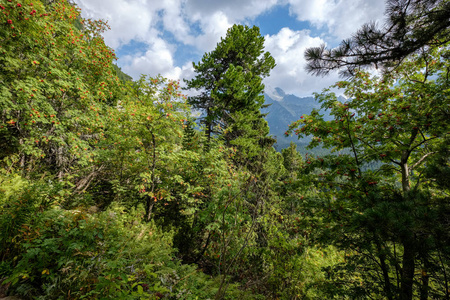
282,110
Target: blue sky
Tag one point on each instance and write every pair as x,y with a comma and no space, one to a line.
165,36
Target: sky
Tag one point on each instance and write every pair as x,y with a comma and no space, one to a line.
165,36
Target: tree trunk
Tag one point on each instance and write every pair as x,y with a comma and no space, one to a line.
149,208
150,200
405,174
406,292
425,285
385,270
208,131
408,265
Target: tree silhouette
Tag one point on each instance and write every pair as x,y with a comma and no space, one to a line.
410,25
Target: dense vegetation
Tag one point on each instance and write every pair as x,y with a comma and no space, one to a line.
108,189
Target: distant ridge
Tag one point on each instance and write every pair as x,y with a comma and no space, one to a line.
284,109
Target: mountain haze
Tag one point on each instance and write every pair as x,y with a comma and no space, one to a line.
282,110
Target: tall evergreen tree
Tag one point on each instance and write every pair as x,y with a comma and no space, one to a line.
230,81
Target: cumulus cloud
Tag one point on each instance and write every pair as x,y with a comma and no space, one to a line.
287,47
214,27
162,27
129,20
156,60
235,10
341,17
147,22
176,21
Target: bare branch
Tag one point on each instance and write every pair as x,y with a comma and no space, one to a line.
421,160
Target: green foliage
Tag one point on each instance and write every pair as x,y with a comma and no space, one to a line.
74,137
230,81
121,75
382,215
234,222
56,79
142,145
110,256
109,191
16,209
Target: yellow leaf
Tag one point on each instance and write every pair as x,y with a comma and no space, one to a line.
46,271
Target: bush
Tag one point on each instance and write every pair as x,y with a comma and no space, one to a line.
71,254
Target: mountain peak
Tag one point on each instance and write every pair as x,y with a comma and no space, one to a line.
280,92
285,109
275,93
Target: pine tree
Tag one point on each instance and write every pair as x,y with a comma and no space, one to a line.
410,26
230,81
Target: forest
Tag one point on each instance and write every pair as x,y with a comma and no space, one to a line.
110,188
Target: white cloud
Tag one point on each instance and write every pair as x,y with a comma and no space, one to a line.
235,10
214,27
175,21
342,17
201,23
129,20
216,16
139,20
287,47
158,59
184,72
